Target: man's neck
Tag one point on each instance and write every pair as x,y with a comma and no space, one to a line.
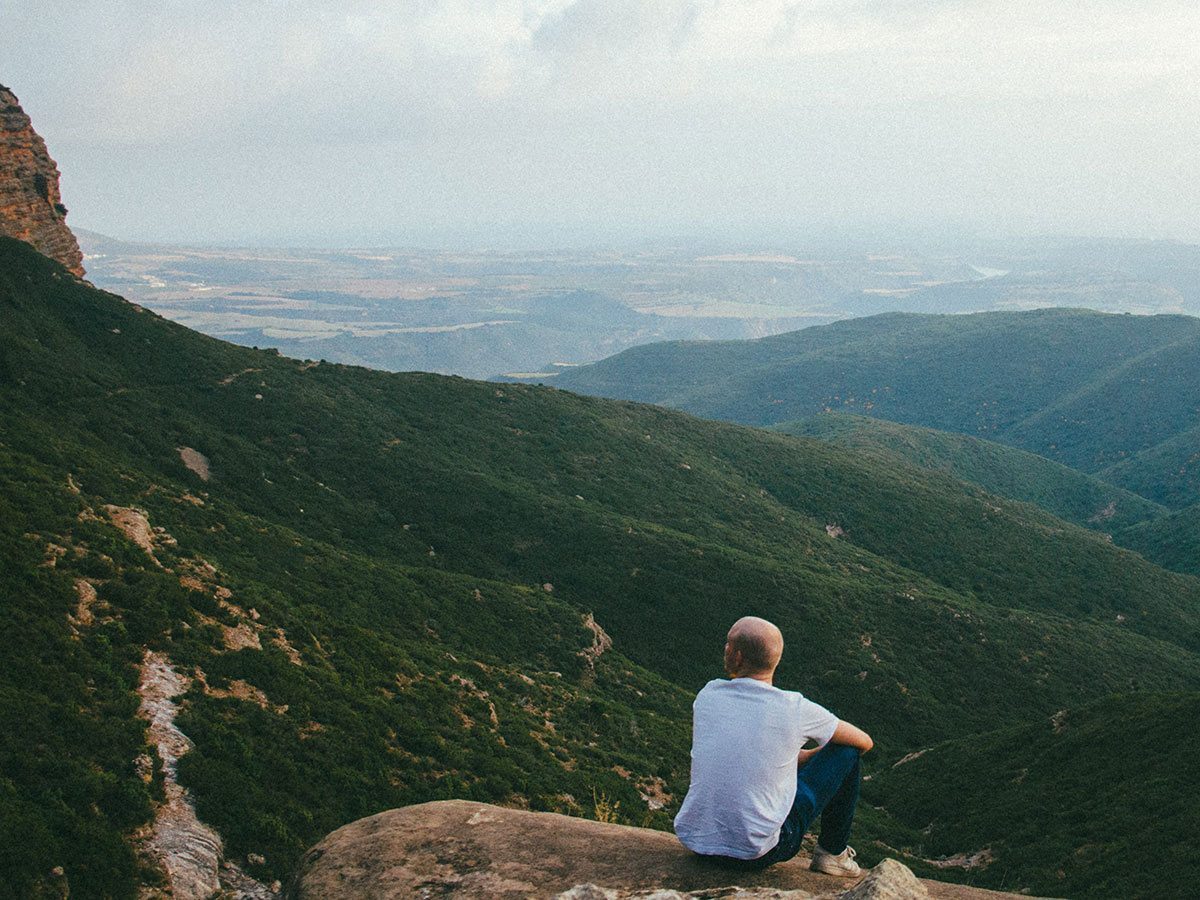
765,677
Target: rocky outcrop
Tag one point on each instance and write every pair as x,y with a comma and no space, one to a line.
31,208
187,853
183,847
473,850
889,880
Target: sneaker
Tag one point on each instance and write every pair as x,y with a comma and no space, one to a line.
842,864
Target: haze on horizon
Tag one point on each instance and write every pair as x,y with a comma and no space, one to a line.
559,121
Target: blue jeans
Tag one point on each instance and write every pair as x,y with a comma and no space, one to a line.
826,786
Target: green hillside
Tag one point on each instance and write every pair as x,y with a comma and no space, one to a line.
1172,541
999,469
1168,472
1082,388
387,582
1132,407
1049,804
380,685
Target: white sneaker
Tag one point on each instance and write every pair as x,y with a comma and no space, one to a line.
842,864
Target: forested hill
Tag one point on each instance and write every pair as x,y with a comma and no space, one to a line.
1097,392
1172,541
998,468
374,589
1013,799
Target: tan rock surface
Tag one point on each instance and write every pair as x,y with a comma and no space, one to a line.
474,850
183,847
889,880
135,525
196,461
187,852
31,208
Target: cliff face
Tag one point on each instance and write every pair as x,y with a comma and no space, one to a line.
31,208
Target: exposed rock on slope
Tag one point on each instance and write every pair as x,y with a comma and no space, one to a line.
476,850
31,207
188,852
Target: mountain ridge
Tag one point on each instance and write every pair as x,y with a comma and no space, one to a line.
1096,391
1007,471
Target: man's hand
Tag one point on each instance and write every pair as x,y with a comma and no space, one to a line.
805,756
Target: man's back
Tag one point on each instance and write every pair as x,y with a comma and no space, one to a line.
746,736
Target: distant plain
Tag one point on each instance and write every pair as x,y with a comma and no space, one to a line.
527,315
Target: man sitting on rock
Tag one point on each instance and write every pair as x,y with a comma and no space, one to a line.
755,789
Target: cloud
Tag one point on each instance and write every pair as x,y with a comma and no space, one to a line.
1023,114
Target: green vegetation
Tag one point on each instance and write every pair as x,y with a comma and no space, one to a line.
1085,389
1097,801
68,789
1005,471
415,685
1173,541
403,567
1168,472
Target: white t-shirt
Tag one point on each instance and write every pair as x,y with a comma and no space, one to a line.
746,735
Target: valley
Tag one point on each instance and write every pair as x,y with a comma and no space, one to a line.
371,603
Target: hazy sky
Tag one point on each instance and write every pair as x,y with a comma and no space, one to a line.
326,121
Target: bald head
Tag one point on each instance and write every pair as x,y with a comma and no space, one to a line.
753,648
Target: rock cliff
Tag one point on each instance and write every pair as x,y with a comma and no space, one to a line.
473,850
31,207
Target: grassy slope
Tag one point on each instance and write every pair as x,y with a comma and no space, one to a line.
1172,541
402,671
361,512
999,469
1168,472
1082,388
1052,801
416,683
1134,406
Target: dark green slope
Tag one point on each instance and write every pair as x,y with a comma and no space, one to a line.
1133,407
980,373
999,469
488,478
1168,472
1172,541
413,685
429,547
1051,802
1086,389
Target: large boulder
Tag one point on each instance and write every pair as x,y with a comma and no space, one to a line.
473,850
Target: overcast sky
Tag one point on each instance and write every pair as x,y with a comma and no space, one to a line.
545,120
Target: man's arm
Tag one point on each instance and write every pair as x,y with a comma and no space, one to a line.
846,734
851,736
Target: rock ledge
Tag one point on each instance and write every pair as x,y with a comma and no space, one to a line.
473,850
